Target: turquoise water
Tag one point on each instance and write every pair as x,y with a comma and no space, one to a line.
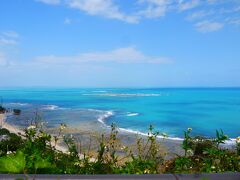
170,110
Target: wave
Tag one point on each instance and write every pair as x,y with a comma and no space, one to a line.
52,107
132,114
19,104
123,95
230,142
145,134
102,118
105,116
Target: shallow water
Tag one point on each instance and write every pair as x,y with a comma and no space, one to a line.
169,110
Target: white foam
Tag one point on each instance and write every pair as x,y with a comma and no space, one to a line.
108,114
103,117
19,104
50,107
132,114
145,134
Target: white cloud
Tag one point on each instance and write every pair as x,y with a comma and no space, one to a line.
235,21
105,8
199,15
82,69
6,41
121,55
11,34
8,38
154,9
52,2
208,26
199,10
188,4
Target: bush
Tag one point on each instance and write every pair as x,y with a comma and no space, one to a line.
206,156
11,143
36,153
4,131
201,144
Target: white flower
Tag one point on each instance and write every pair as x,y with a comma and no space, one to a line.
123,148
189,129
146,171
190,152
9,152
31,127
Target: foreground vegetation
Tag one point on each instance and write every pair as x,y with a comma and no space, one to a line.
35,153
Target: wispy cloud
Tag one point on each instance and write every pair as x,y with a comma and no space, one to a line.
120,55
5,41
198,10
11,34
153,8
199,15
52,2
188,4
235,21
8,38
105,8
208,26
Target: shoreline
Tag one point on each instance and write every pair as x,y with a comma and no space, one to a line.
87,129
11,128
90,129
18,131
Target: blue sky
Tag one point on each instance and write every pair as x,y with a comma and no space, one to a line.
120,43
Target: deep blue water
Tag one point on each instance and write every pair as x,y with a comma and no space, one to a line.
170,110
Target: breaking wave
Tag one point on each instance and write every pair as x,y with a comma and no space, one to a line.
52,107
132,114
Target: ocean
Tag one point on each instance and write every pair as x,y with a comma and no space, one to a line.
169,110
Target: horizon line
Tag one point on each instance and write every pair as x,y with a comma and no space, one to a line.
125,87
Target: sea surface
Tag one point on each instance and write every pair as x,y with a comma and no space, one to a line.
169,110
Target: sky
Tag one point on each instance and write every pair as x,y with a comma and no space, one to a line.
120,43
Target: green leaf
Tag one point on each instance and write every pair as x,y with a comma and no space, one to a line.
42,163
14,163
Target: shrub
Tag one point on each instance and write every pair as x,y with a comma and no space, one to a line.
11,143
201,144
206,157
36,153
4,131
